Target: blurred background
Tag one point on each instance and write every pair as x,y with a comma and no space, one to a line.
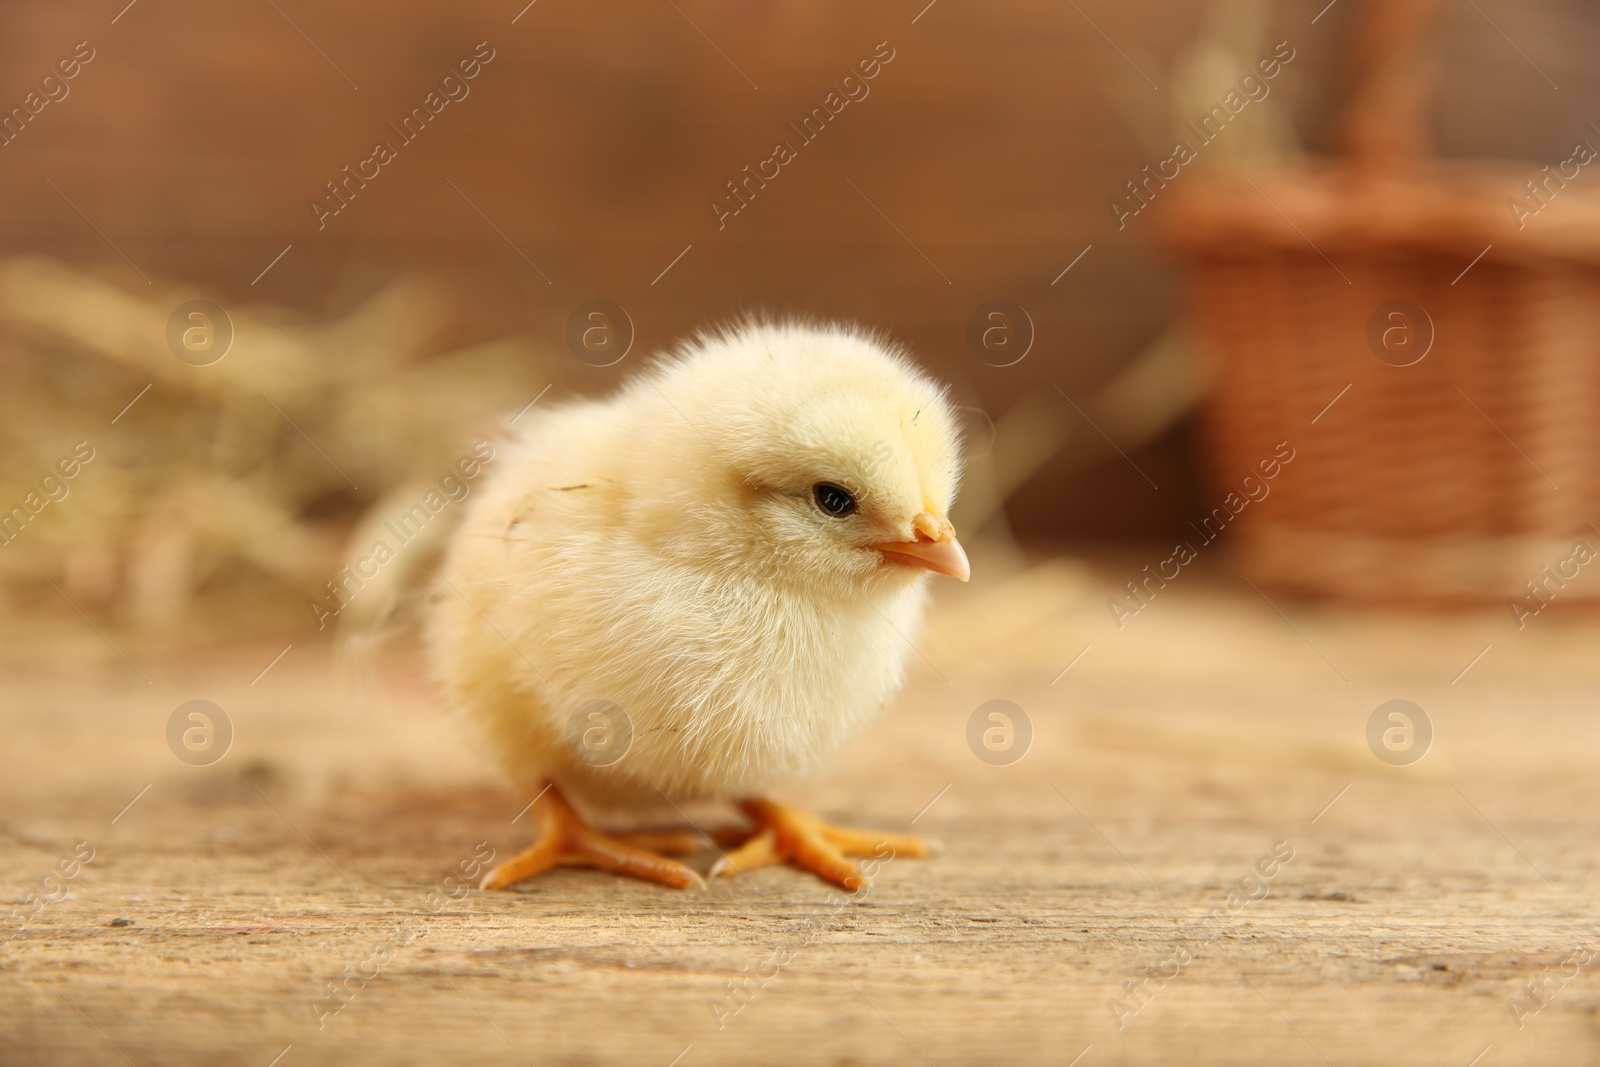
1130,347
1294,293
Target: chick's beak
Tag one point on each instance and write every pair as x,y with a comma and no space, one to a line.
934,548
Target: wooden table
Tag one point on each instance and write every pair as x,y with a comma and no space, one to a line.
1174,756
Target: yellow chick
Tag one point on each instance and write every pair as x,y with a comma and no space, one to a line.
701,589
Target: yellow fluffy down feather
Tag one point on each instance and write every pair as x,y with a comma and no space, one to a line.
681,552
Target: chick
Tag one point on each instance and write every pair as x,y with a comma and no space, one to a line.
701,589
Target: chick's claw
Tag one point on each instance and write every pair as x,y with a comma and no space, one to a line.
565,840
871,843
759,850
790,835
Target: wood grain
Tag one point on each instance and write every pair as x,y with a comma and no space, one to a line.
1172,757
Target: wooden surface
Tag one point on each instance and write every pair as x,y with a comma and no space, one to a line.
1173,755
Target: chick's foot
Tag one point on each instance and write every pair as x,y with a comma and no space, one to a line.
789,835
565,840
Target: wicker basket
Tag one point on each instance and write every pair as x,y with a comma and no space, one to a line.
1458,477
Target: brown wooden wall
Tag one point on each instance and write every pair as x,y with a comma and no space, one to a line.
598,135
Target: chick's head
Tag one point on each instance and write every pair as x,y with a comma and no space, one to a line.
817,453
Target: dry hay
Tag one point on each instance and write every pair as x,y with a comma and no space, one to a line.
225,495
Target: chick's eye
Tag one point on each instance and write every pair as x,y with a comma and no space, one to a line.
833,499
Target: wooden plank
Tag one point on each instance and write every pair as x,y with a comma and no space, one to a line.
1174,755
